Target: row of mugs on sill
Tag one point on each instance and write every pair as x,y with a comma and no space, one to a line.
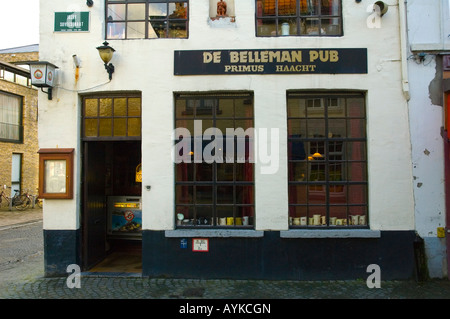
319,220
220,221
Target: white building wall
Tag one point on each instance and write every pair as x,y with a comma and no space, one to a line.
147,66
427,25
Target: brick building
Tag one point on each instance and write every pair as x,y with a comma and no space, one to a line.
18,120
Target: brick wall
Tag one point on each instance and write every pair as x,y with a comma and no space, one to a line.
29,147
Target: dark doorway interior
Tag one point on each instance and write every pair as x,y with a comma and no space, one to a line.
109,170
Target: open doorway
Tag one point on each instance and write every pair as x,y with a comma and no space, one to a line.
112,215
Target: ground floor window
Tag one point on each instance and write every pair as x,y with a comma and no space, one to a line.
327,160
214,174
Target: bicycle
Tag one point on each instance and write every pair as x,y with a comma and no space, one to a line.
37,200
3,197
22,201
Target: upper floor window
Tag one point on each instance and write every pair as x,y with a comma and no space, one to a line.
11,118
146,19
298,17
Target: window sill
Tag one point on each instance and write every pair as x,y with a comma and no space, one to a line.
336,233
213,233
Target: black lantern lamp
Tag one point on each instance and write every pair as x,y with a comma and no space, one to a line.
106,54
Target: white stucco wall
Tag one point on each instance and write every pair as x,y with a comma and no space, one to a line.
147,66
426,118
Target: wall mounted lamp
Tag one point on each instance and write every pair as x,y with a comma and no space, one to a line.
106,54
43,75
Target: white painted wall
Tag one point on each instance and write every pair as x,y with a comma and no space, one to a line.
426,121
147,65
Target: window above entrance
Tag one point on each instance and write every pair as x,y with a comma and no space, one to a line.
112,117
298,18
146,19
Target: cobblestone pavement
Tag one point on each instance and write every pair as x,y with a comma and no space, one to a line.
136,287
25,280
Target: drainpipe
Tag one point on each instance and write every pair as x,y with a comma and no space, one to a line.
403,47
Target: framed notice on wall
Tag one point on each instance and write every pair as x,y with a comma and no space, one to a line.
56,173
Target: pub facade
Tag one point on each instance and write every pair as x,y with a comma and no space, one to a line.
262,139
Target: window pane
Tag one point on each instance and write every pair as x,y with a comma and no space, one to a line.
243,107
356,151
157,29
226,108
184,172
184,194
120,127
267,27
188,213
297,128
311,27
90,107
316,128
287,7
222,213
178,29
299,212
204,194
120,107
105,128
136,30
266,7
222,125
330,7
157,10
134,127
116,12
178,10
337,128
287,27
331,26
357,171
355,107
225,172
338,215
90,127
298,171
357,194
357,128
225,195
204,172
134,107
244,194
244,172
105,107
116,30
296,150
136,11
204,215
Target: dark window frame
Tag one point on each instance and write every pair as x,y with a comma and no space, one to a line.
20,126
326,164
301,19
196,219
167,21
111,137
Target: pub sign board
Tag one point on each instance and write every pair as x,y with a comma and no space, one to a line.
271,61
